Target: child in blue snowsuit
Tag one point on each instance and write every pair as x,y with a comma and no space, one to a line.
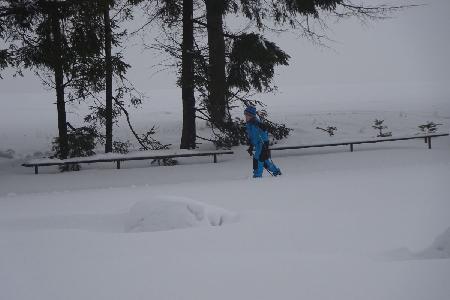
259,143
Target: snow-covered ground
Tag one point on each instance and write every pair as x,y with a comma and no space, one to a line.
372,224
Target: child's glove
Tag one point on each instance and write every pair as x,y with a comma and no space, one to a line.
250,150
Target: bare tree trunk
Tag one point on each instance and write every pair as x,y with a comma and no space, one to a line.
109,78
216,70
59,82
188,135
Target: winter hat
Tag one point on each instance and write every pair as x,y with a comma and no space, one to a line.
250,110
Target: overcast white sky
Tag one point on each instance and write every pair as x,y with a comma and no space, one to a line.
412,47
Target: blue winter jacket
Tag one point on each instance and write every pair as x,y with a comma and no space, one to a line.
256,135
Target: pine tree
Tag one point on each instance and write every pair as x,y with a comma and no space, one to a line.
188,135
217,87
222,76
36,26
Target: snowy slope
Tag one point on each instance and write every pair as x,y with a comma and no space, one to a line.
319,232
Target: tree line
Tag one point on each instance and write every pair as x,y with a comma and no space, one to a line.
74,47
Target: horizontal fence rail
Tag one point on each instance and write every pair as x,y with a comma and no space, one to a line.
427,139
118,160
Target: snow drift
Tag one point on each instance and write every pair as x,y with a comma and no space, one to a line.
439,249
168,213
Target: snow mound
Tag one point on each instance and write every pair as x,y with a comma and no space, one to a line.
439,249
168,213
399,254
9,154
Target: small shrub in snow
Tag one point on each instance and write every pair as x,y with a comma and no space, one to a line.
378,125
165,162
121,147
429,127
81,142
330,130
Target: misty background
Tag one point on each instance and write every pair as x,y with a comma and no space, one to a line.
378,63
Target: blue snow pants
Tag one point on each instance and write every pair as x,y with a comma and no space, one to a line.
258,165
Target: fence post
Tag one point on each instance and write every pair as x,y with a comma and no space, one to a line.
118,164
429,142
36,169
351,147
